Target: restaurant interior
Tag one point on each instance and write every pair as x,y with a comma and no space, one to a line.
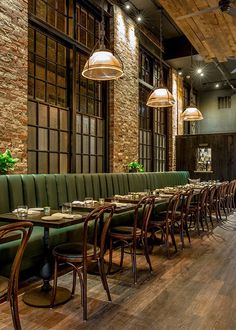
117,164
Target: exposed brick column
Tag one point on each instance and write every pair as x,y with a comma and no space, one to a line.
124,95
175,123
13,79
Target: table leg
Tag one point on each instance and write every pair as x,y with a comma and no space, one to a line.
41,296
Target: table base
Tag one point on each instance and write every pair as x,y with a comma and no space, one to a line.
39,298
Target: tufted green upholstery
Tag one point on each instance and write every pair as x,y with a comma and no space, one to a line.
55,189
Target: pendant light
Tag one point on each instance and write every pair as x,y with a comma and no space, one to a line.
161,97
102,64
191,113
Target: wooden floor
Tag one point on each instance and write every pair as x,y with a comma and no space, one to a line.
195,289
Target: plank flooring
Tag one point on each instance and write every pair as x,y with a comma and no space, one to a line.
194,289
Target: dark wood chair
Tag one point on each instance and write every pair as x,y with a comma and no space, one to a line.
9,287
80,254
198,210
182,215
130,236
165,223
211,204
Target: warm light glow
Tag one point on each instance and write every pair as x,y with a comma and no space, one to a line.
201,74
199,70
127,6
139,18
217,85
160,98
191,114
103,65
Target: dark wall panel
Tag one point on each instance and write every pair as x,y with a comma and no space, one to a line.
223,148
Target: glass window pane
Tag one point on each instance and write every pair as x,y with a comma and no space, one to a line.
61,97
92,164
53,140
32,137
78,164
85,144
32,113
40,44
63,142
63,163
51,73
51,97
41,9
64,119
43,115
78,144
100,146
39,90
85,164
31,162
92,145
85,125
42,139
53,117
40,68
53,163
42,162
51,50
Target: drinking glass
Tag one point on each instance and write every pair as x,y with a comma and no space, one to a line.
22,211
88,201
147,192
67,209
101,200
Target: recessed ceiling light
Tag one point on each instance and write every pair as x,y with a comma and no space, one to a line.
127,6
201,74
139,18
180,72
217,85
199,70
188,77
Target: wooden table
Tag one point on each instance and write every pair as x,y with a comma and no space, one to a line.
40,297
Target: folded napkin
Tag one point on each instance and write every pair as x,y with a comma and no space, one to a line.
59,216
165,195
120,204
78,203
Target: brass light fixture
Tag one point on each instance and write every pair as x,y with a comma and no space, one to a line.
191,113
102,64
161,97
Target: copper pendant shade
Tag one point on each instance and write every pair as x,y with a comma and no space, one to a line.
103,65
160,97
191,114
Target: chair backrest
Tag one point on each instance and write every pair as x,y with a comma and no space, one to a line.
100,219
211,194
25,229
172,207
202,197
142,213
185,199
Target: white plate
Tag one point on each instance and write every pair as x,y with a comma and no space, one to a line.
38,209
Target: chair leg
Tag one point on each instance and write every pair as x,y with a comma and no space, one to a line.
187,231
145,243
74,282
173,238
103,277
133,259
122,252
14,310
81,288
84,285
54,288
110,257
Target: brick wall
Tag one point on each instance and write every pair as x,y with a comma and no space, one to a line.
124,95
13,79
175,123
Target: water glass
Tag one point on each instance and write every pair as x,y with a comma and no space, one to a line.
101,200
88,201
67,209
22,211
47,210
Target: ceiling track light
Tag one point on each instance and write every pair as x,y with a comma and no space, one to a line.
127,5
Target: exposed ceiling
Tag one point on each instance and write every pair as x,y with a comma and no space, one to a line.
212,35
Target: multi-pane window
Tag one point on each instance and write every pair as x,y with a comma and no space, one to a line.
66,119
152,122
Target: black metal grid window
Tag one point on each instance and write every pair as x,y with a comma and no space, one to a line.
152,122
66,118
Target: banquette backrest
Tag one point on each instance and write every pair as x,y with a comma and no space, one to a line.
37,190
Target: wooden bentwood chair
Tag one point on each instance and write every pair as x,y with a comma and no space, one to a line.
129,236
165,222
79,254
9,287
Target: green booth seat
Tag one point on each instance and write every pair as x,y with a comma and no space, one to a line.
39,190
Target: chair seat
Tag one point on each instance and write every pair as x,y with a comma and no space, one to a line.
125,230
74,250
3,285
